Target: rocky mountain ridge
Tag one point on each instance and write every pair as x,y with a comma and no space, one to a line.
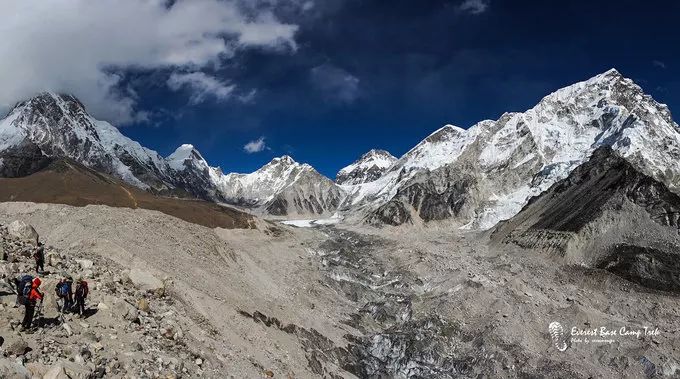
498,165
52,126
474,177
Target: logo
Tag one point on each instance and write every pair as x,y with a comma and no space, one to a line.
557,334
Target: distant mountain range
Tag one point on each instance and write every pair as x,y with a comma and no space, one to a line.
474,177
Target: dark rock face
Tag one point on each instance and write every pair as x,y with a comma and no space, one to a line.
574,207
604,180
436,195
648,267
393,213
22,160
278,207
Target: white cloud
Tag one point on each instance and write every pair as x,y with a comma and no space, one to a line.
474,6
255,146
659,64
83,46
201,86
336,84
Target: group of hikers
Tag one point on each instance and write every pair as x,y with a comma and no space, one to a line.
30,296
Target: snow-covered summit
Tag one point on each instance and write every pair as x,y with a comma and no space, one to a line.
283,186
57,125
366,169
186,154
504,162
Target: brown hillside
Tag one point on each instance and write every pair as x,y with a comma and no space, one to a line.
66,182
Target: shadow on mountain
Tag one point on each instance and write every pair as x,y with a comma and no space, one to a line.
605,215
67,182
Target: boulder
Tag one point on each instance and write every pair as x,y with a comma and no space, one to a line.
145,281
18,347
85,264
13,370
23,231
56,372
126,311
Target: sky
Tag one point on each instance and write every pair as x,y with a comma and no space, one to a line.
323,80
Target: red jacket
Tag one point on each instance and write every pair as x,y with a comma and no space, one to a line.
35,295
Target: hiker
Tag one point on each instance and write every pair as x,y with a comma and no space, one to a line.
81,294
39,256
65,293
31,294
20,283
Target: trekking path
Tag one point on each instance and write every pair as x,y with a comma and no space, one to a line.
129,194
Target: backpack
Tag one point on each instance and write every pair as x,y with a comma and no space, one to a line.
65,289
24,288
82,290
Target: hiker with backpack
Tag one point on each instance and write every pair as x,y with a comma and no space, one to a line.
39,256
20,283
32,295
81,294
64,292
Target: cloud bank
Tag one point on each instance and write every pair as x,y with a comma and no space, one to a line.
85,47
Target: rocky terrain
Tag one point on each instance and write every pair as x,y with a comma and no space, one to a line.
333,301
132,326
579,279
605,214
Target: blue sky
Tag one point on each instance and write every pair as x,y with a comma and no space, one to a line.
325,81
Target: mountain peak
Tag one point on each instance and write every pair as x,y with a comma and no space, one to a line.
375,153
285,159
45,101
366,169
185,152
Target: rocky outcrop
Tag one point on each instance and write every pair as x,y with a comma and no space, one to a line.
145,281
23,231
443,194
606,214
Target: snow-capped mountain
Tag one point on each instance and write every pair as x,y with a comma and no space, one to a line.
486,173
366,169
52,125
475,176
283,187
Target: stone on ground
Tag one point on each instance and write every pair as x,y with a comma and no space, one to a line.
23,231
145,281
